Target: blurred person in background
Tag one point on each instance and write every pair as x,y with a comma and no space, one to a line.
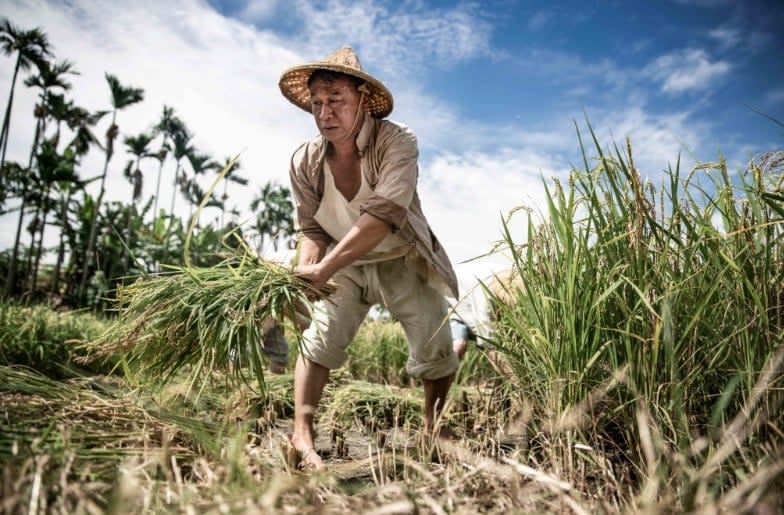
472,317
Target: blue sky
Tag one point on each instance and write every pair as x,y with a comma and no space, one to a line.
536,64
492,89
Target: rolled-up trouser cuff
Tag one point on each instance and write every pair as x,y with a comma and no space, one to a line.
435,369
331,359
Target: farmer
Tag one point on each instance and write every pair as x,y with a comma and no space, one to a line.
361,226
470,318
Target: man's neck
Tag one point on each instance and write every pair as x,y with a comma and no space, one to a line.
343,149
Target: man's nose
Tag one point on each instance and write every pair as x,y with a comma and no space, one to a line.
324,111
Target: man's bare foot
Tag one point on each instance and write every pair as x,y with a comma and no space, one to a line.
277,368
306,456
310,461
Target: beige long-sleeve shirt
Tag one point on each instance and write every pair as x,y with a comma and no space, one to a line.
389,155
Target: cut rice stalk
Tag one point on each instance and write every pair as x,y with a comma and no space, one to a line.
201,318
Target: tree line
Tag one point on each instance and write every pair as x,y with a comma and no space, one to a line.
101,244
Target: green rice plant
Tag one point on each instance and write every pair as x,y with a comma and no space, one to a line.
194,319
667,300
42,338
379,353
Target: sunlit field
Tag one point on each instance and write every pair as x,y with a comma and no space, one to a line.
641,333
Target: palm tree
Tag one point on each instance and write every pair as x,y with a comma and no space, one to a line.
169,125
230,177
181,141
31,47
137,145
48,77
200,164
275,215
80,121
54,169
51,76
122,97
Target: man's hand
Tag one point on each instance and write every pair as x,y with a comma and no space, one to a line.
314,274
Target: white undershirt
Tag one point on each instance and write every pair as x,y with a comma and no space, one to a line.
337,216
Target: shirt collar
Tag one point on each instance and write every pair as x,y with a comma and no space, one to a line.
363,138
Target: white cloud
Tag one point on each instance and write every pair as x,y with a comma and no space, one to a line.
559,69
259,11
467,195
687,70
726,36
394,40
657,139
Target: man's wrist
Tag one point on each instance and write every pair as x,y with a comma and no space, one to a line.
324,271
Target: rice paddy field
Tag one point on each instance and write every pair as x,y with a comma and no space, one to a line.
642,339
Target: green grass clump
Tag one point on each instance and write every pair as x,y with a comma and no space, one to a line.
379,353
42,338
373,406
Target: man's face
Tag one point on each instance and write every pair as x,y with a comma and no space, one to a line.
334,106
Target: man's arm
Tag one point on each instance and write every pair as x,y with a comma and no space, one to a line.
310,251
368,232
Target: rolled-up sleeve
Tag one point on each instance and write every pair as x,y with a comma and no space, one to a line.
306,199
397,178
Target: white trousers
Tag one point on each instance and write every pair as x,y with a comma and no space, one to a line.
421,310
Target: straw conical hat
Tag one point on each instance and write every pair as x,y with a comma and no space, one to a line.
294,82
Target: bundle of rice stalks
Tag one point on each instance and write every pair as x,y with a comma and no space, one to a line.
374,406
202,319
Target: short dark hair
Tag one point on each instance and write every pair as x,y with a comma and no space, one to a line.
329,77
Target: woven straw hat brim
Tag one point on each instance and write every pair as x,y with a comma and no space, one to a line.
293,84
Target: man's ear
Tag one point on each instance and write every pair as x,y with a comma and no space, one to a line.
364,91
